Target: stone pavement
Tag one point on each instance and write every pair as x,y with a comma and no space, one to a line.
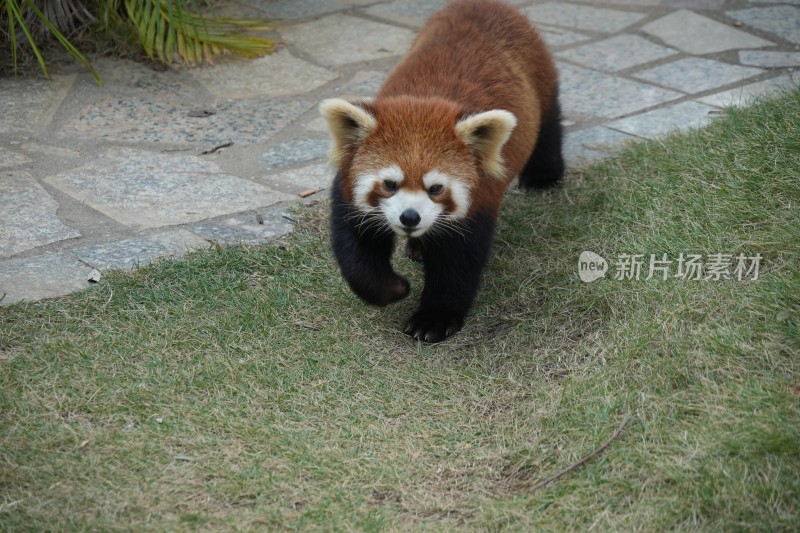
113,177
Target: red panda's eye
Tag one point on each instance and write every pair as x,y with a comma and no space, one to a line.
390,185
435,190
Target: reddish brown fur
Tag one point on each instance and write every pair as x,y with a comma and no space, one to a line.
475,55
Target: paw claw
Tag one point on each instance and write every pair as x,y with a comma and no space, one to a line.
432,327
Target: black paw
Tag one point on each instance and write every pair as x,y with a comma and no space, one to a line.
382,292
432,327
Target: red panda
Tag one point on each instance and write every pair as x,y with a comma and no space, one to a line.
473,104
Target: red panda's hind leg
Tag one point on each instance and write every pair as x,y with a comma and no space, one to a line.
545,167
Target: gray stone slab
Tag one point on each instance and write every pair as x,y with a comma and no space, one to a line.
312,177
616,53
592,144
295,151
128,254
28,104
152,119
318,124
588,93
294,9
557,37
49,150
44,276
12,158
692,4
124,79
277,74
745,95
767,59
783,21
684,116
582,17
696,34
28,215
697,74
148,190
365,83
246,229
412,13
341,39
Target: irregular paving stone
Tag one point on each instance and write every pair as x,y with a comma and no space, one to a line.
49,150
555,37
318,124
144,189
697,74
588,93
137,104
592,144
693,4
277,74
28,104
44,276
141,78
696,34
616,53
365,83
582,17
409,12
10,158
132,253
292,9
765,59
341,39
783,21
144,119
296,151
28,215
313,177
742,96
684,116
246,229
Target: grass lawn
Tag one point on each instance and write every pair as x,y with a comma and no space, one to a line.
248,389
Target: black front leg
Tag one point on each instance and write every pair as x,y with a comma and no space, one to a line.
363,251
453,269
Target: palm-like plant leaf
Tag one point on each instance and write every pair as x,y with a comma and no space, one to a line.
167,28
16,17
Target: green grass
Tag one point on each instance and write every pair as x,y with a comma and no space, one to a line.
247,389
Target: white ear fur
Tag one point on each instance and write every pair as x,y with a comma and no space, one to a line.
486,133
349,125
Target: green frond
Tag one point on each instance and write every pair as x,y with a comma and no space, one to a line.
68,46
167,28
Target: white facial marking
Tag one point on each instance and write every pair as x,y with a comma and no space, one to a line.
427,209
459,191
365,184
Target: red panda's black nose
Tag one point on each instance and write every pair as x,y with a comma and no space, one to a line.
409,218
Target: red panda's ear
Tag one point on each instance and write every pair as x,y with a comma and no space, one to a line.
486,133
349,125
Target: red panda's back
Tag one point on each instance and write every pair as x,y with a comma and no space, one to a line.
482,55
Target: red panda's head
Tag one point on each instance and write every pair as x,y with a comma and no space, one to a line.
416,162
